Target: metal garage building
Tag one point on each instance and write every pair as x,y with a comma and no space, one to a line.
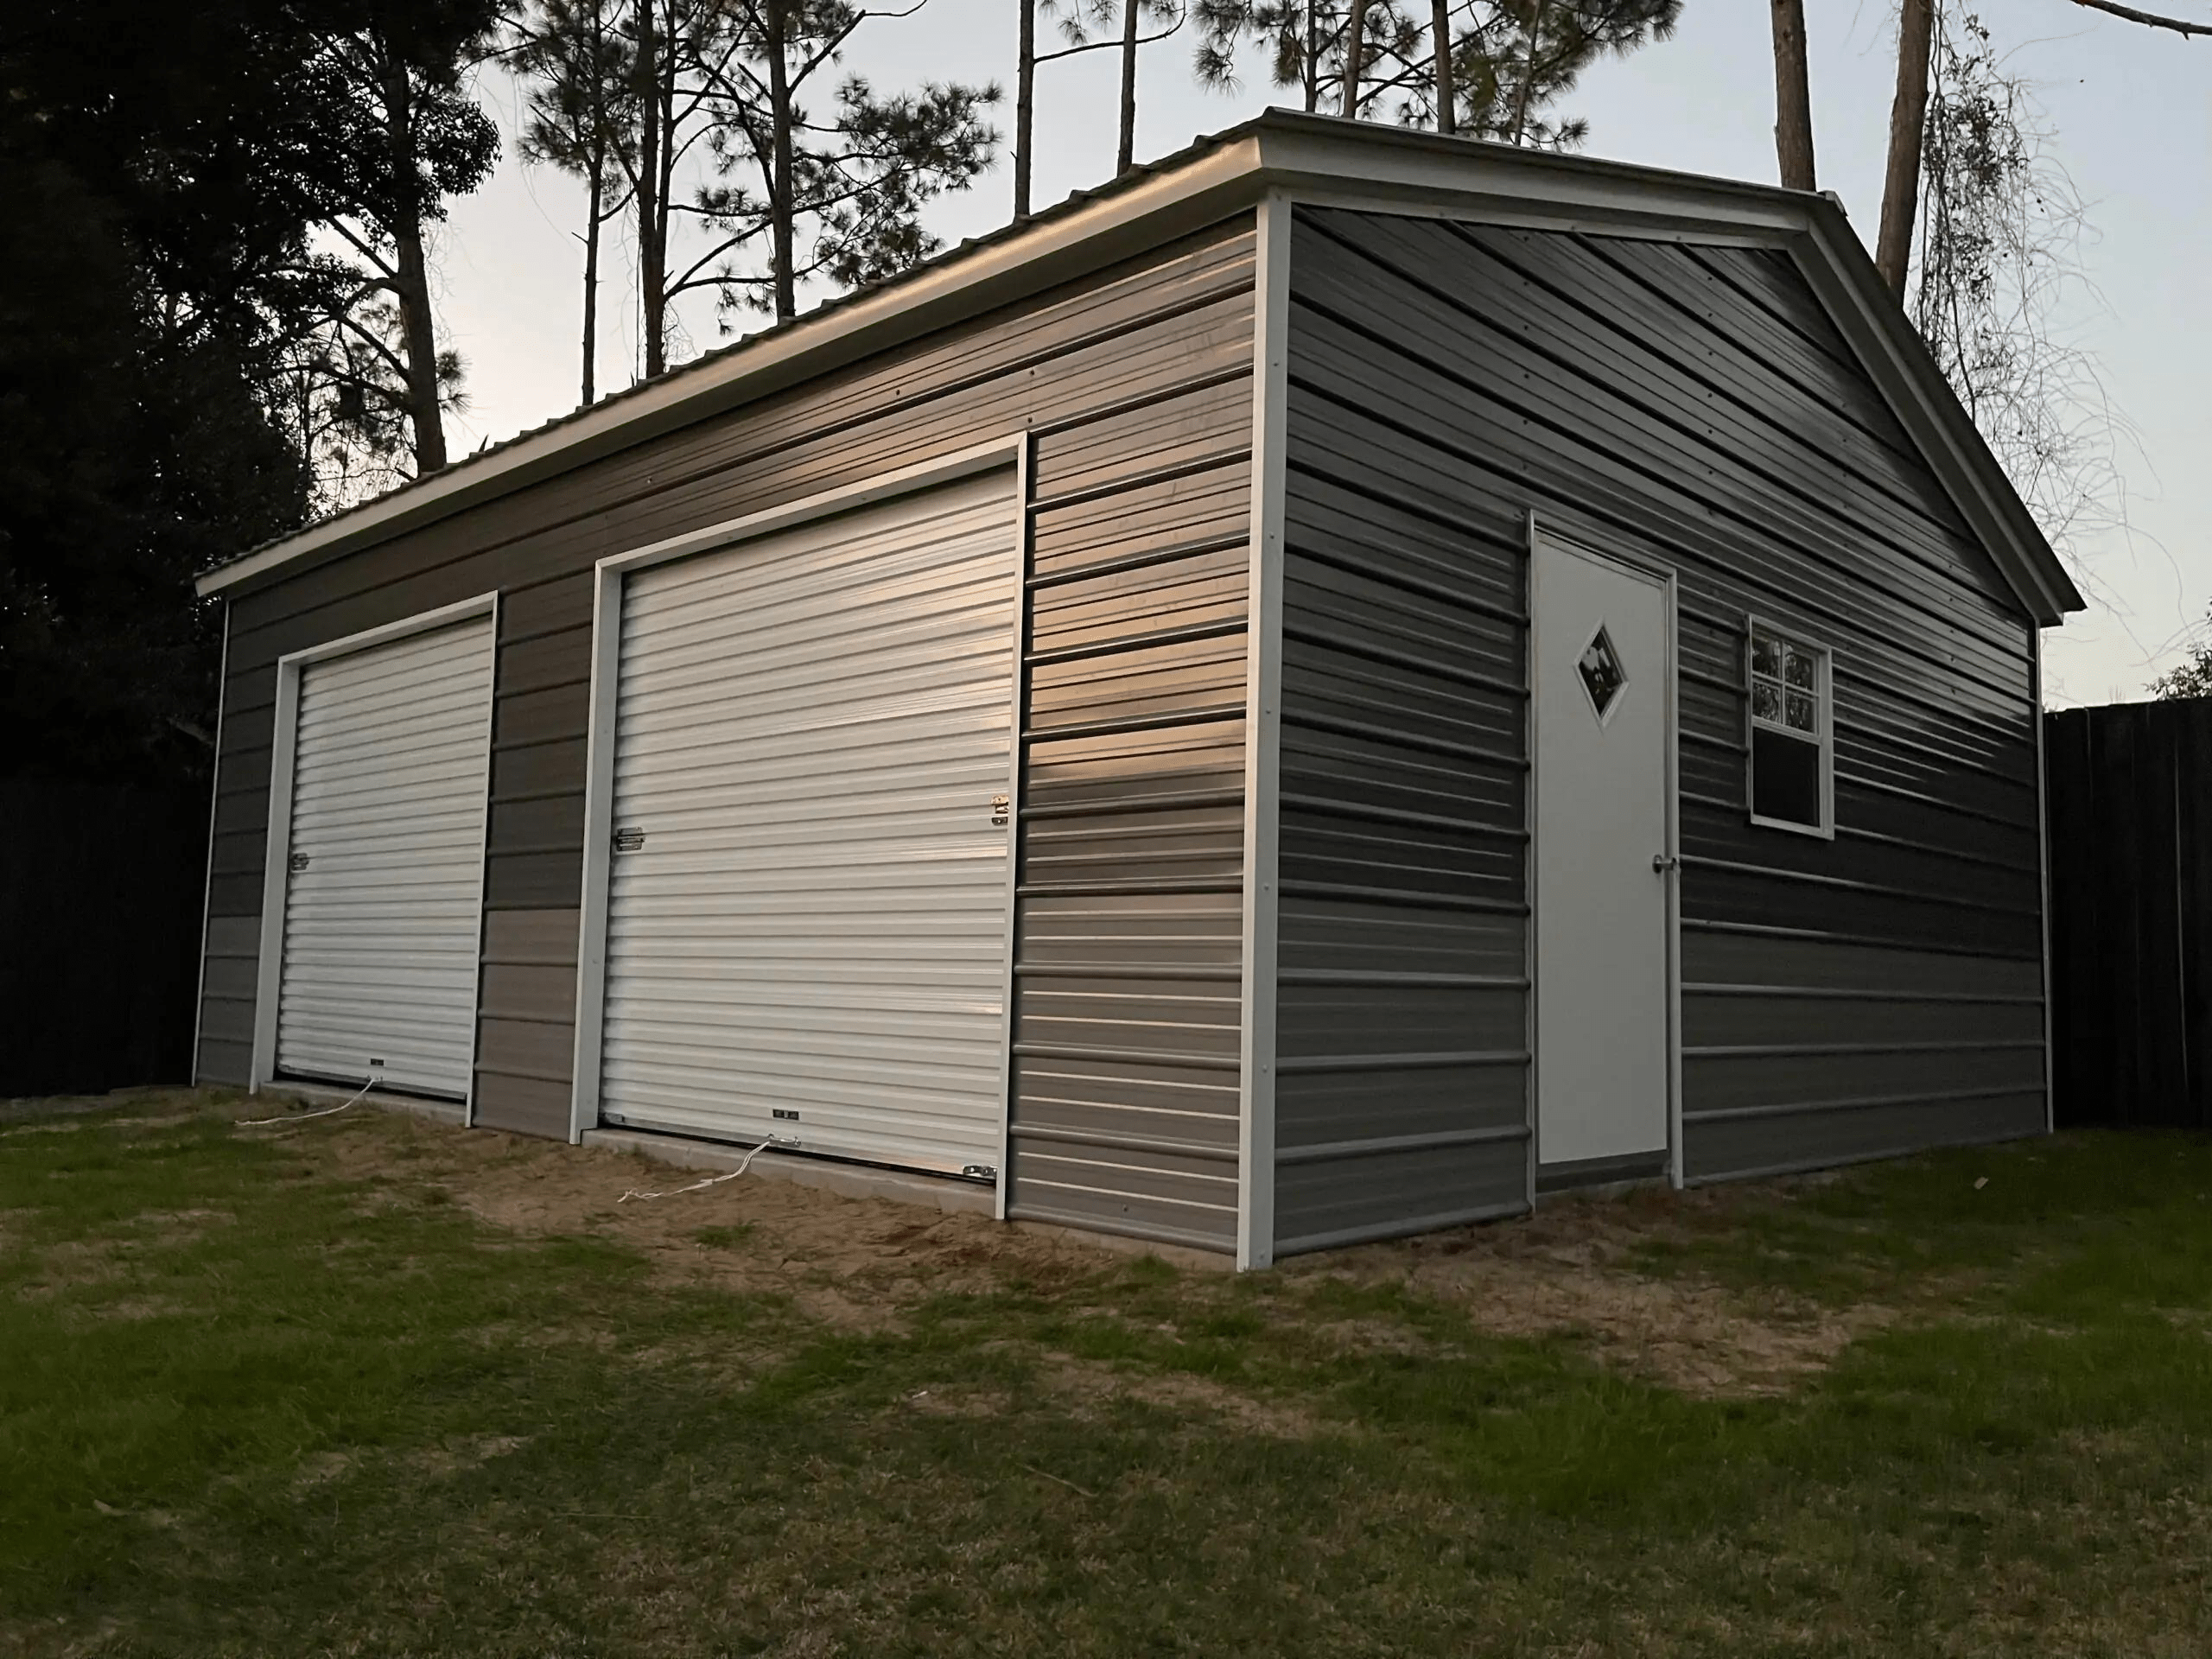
1340,682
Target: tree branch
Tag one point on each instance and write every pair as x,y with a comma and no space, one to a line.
2148,19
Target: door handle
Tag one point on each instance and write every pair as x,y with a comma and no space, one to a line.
1662,862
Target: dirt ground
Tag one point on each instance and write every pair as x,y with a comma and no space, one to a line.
857,1262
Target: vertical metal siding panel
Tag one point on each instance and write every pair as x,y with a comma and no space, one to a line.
1135,375
1664,397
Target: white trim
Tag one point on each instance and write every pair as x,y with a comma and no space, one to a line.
214,802
2042,856
483,874
1017,688
278,851
606,680
1255,1139
1664,575
1825,737
599,832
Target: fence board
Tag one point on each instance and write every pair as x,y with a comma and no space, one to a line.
100,888
2129,798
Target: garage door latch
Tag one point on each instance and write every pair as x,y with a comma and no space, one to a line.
296,862
628,841
978,1172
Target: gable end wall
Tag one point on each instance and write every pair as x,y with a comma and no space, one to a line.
1841,999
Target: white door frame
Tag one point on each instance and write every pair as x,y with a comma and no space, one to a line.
1649,569
1011,452
276,856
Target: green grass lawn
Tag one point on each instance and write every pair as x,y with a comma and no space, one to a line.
372,1387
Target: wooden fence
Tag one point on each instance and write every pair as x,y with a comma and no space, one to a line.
100,889
2129,806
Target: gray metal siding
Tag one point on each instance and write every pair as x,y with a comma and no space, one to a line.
1136,386
1693,403
1401,1091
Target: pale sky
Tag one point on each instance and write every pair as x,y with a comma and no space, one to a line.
2132,115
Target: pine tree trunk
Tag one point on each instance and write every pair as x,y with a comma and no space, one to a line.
1355,51
652,275
1125,153
1793,99
1025,109
1908,127
418,344
1522,100
598,194
1447,114
1313,56
779,199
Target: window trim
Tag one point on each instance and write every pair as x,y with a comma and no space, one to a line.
1824,692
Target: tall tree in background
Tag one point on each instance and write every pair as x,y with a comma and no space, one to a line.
581,115
1503,63
833,192
397,80
158,185
1908,131
1793,96
1119,24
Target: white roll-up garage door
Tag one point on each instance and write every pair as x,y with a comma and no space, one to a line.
806,927
383,901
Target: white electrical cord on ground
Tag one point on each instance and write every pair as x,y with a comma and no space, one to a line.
301,1117
712,1180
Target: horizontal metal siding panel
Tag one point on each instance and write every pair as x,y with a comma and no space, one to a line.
1382,1195
1854,1134
1799,1049
520,1105
1169,1197
1169,318
1031,362
225,1060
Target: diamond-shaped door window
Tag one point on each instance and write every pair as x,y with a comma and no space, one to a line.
1601,674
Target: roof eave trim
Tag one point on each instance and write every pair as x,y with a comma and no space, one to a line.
1173,203
1844,278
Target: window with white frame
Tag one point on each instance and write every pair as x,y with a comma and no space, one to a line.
1791,734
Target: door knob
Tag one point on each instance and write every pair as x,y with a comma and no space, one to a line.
1662,862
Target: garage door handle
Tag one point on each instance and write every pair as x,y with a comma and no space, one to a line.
1662,862
628,841
297,862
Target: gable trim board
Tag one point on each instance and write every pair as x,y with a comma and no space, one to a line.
1345,163
275,923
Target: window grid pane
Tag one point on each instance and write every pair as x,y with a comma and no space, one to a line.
1785,682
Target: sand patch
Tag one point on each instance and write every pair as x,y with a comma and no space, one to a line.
854,1263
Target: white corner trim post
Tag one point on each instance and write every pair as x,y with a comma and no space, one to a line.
1256,1055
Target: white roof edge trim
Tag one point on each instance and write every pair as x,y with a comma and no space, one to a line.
1229,173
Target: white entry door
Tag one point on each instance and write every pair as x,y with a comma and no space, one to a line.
1603,675
808,887
384,871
